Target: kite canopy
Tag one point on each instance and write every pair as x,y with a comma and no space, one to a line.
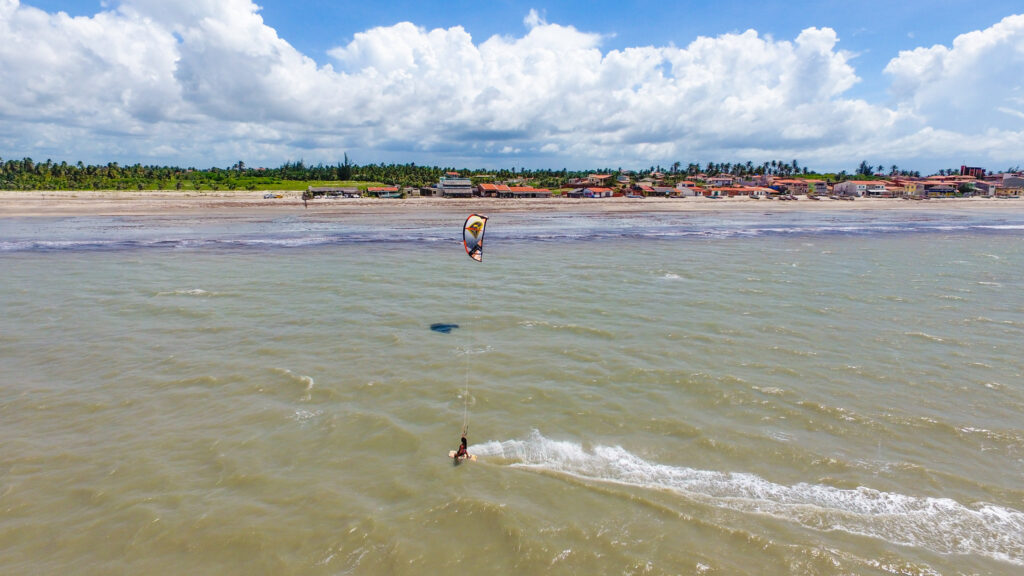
473,236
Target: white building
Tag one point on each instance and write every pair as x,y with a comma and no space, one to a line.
860,188
455,187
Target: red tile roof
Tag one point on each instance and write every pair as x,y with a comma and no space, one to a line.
494,187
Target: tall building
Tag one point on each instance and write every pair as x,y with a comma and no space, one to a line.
972,171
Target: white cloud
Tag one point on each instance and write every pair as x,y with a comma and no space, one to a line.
208,82
966,87
533,19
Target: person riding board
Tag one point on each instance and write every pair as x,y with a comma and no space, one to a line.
461,453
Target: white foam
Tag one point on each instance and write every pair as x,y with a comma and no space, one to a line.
189,292
941,525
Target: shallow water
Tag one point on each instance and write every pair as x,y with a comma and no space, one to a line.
720,394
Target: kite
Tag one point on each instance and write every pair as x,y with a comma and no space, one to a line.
473,236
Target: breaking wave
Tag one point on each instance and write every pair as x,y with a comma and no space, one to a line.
941,525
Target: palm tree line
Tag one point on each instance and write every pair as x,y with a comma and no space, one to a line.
25,174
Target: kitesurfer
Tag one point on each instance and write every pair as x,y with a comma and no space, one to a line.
461,453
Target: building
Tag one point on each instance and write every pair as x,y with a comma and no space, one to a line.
384,191
454,186
972,171
800,186
528,192
940,190
591,192
1012,181
332,192
983,188
493,190
733,191
858,188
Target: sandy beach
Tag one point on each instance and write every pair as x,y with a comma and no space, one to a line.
214,204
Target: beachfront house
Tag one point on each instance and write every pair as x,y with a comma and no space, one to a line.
859,188
384,191
591,192
454,186
491,190
528,192
333,192
1013,181
985,189
733,192
506,191
912,188
800,186
686,189
940,189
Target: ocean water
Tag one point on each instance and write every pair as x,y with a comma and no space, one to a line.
714,393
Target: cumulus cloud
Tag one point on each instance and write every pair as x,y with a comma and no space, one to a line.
207,81
973,86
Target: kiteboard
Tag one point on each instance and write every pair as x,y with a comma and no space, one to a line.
470,457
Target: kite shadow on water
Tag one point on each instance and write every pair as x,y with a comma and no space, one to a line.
443,327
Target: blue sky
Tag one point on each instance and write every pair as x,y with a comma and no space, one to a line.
510,83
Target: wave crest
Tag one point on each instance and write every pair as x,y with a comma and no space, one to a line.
941,525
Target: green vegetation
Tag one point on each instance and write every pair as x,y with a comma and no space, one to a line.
28,175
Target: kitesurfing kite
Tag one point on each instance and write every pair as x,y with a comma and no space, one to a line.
473,240
473,236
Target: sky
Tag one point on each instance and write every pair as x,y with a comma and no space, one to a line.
921,85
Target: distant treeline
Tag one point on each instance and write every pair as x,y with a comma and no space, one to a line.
25,174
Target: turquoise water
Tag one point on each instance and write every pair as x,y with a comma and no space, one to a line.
647,394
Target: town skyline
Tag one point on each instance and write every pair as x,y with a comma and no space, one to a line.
517,85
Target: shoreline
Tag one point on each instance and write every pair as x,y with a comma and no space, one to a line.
29,204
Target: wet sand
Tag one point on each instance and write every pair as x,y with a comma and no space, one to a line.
236,203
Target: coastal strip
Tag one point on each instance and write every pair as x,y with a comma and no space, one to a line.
27,204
